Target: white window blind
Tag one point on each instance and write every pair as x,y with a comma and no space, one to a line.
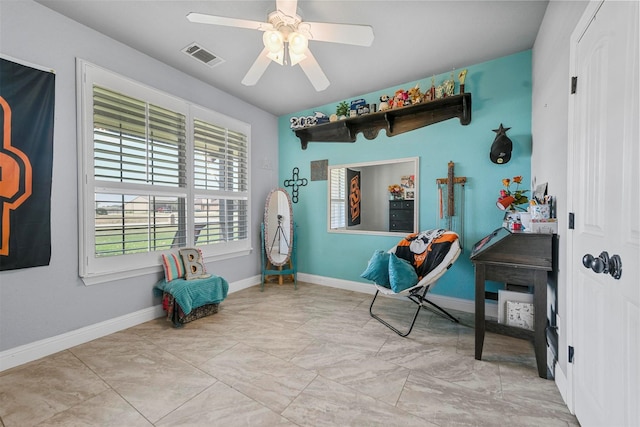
136,143
221,184
338,202
158,174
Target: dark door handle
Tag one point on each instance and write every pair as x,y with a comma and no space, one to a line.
604,264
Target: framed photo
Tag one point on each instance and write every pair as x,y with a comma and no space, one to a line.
409,194
407,181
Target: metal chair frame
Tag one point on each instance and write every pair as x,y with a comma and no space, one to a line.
417,294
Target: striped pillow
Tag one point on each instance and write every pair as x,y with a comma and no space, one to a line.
173,267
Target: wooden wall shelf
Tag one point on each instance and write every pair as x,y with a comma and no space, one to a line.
394,121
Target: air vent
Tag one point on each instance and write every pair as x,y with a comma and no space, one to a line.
198,52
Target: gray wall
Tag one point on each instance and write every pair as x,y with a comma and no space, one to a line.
550,109
43,302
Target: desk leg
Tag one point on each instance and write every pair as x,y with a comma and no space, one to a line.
540,304
480,326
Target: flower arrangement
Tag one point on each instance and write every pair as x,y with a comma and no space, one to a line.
395,191
510,199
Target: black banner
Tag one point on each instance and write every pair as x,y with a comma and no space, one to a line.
27,98
353,179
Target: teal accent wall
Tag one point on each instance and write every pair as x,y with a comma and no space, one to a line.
501,93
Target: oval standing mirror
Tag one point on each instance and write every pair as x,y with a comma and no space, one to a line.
278,227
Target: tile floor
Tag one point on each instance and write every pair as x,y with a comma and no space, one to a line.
306,357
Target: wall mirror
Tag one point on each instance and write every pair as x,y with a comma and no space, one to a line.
278,227
359,200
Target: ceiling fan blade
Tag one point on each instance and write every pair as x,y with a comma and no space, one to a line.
359,35
313,71
257,69
201,18
288,7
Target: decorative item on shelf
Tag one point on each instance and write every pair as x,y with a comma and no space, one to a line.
357,106
295,183
510,199
300,122
501,147
415,96
449,86
430,95
384,103
342,109
396,192
320,118
439,92
462,75
400,99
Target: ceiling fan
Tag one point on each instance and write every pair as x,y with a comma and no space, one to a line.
286,39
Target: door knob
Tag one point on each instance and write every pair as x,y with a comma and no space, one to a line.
604,264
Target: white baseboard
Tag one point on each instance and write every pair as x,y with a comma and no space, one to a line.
562,384
29,352
244,283
35,350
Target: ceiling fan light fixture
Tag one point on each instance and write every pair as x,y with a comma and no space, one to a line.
295,58
298,43
286,39
277,56
273,40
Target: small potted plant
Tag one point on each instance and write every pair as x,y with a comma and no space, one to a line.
342,110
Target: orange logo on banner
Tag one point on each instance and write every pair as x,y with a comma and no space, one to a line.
11,176
354,198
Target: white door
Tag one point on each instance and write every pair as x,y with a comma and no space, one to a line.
604,188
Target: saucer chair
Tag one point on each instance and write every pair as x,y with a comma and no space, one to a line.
412,268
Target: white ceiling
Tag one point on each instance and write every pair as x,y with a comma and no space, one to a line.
413,40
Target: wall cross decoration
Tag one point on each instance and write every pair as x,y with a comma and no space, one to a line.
295,182
451,202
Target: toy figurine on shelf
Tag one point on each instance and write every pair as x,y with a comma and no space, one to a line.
400,99
415,96
449,86
430,94
461,77
384,103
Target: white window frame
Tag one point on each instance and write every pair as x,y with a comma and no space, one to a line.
94,269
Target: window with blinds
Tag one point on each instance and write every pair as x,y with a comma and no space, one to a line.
221,182
338,202
137,146
158,174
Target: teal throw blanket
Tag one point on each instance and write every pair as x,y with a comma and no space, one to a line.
190,294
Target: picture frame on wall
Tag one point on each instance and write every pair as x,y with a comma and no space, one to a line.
407,182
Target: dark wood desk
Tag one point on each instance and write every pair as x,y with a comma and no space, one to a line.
515,258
